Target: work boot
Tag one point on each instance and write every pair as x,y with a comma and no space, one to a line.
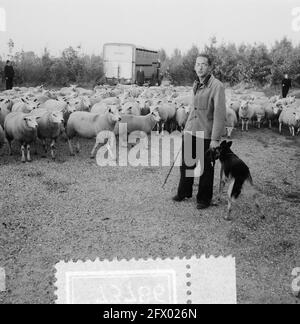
177,198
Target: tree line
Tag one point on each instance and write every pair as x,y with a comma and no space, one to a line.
249,63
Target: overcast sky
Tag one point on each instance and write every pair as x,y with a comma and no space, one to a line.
169,24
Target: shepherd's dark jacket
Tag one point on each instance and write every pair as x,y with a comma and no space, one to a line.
9,72
208,113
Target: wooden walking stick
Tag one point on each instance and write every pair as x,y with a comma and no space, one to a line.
171,169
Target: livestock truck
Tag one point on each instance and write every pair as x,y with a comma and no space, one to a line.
130,64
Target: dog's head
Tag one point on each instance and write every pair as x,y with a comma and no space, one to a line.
216,153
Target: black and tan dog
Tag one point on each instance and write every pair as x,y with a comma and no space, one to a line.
234,171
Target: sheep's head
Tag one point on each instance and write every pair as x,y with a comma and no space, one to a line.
31,121
155,116
57,117
127,109
114,113
70,108
291,100
8,103
33,105
244,106
158,102
297,116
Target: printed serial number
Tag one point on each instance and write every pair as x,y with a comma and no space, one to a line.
172,314
122,288
128,294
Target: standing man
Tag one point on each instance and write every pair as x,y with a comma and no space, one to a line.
9,74
208,115
140,78
286,85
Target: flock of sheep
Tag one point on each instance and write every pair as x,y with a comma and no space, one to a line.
245,108
32,115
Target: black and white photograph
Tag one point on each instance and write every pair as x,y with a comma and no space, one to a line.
149,154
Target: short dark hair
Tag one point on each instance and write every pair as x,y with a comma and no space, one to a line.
8,61
208,57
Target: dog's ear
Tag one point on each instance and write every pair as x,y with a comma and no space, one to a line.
223,144
229,144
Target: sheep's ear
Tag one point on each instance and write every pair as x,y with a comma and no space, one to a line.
223,144
229,144
23,99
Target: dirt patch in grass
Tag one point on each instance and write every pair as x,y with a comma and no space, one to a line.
56,186
293,197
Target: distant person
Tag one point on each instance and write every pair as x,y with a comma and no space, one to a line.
9,75
286,85
140,78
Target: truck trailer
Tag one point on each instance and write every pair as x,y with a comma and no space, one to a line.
130,64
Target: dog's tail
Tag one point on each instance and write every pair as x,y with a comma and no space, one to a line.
250,180
239,183
237,187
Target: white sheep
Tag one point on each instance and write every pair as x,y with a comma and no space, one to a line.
25,106
167,113
49,127
142,124
59,105
231,121
23,128
259,113
291,118
274,99
5,109
246,113
131,108
181,117
88,125
272,113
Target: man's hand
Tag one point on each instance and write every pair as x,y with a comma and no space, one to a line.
214,144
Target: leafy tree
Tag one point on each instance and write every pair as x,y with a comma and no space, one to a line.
253,64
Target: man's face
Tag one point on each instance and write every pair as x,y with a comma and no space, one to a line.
202,67
286,76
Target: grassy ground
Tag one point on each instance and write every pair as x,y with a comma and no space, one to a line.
73,209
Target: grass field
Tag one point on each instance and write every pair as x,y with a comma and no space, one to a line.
72,209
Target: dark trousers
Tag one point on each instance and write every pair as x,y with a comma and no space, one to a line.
206,184
285,91
9,84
